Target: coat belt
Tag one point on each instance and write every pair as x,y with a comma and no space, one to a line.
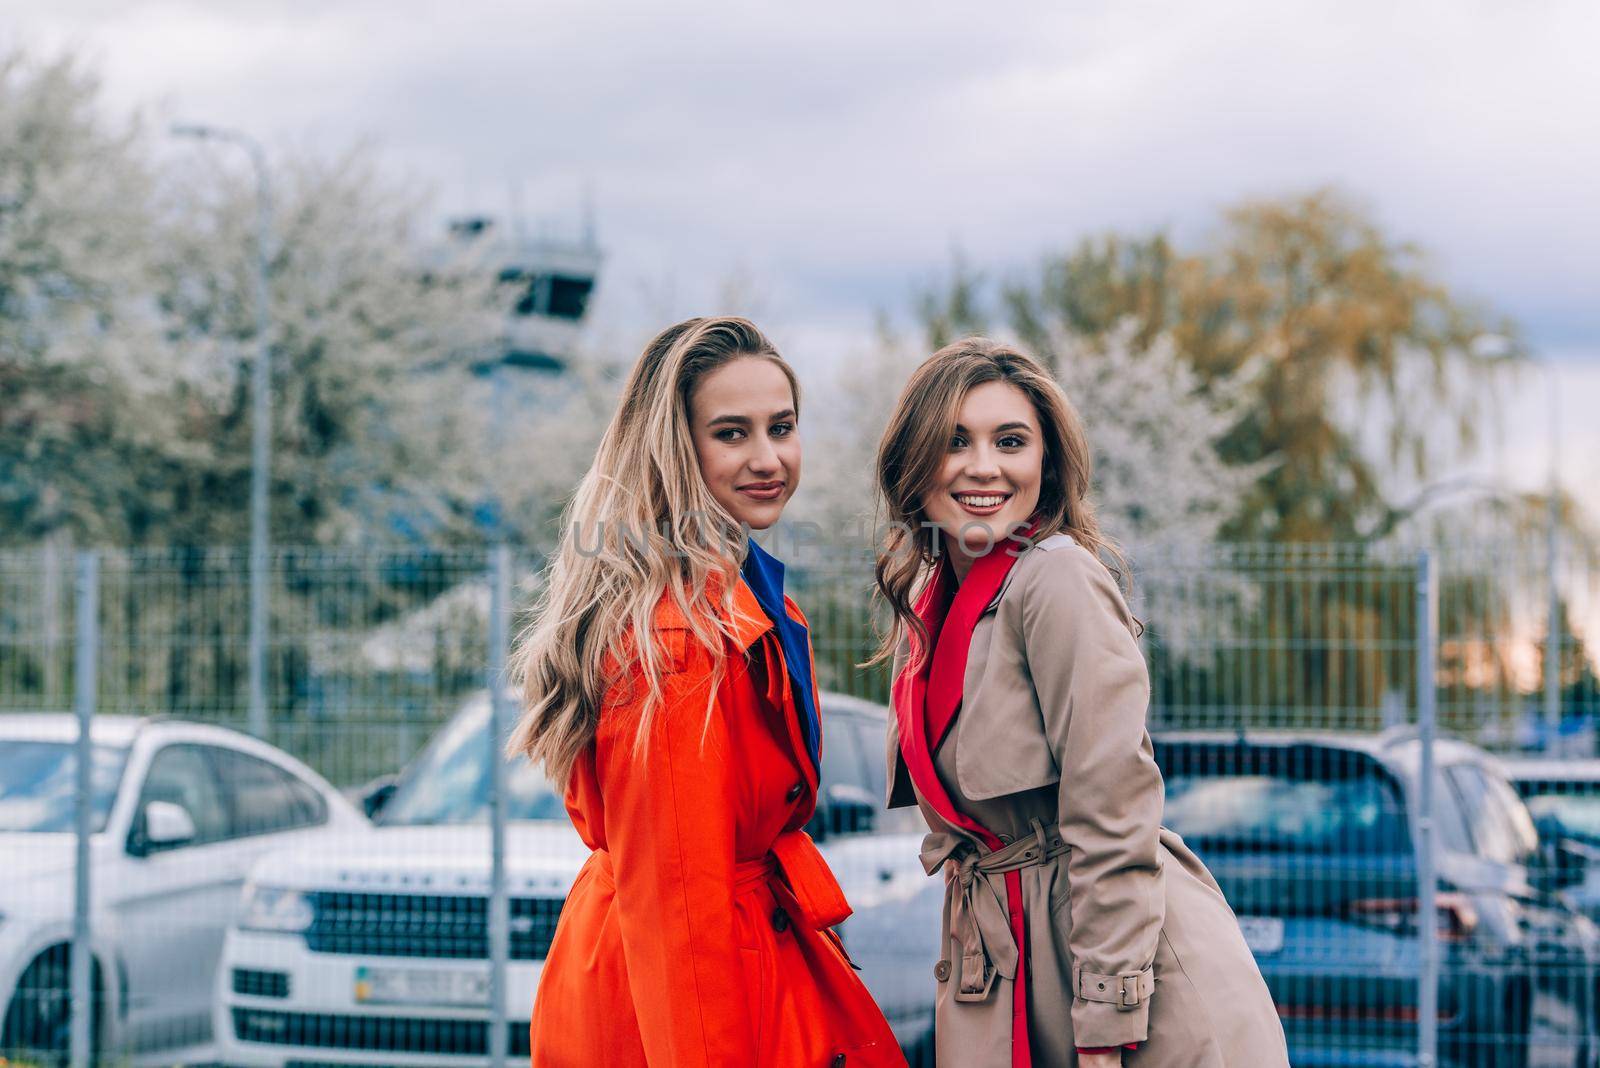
807,881
978,916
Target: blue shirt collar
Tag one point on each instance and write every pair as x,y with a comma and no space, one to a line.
763,573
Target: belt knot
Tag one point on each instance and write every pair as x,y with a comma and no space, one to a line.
978,917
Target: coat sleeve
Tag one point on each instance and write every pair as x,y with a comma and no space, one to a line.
1094,691
670,809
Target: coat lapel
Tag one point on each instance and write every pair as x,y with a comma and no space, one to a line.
749,624
947,673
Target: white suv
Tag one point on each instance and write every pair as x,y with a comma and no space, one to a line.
180,813
379,955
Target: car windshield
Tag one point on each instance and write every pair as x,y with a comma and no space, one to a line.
38,785
1579,813
449,783
1267,804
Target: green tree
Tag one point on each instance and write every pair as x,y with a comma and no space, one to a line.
1366,366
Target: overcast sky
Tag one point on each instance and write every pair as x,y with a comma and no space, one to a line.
833,159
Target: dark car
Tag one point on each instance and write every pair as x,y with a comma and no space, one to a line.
1313,839
1564,798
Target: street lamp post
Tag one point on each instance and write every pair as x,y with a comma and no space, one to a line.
1552,642
1497,346
261,415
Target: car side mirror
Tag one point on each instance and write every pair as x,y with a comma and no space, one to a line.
162,825
1549,827
377,793
1560,862
848,809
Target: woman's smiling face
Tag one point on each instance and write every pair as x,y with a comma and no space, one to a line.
988,486
742,417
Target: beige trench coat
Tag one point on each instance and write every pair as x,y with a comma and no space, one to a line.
1129,937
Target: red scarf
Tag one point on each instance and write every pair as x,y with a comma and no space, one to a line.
927,696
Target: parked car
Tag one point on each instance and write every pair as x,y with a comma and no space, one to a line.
1564,799
379,954
179,813
1313,838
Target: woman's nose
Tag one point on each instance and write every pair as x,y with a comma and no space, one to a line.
983,463
763,457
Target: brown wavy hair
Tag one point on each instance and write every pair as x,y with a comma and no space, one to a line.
913,452
642,525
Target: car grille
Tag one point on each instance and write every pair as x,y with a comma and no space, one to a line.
384,1034
426,925
259,984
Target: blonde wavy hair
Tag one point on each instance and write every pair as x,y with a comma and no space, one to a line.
642,525
912,452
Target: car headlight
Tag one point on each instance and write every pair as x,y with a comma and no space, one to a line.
277,909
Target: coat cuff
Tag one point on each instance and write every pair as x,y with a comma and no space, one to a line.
1111,1010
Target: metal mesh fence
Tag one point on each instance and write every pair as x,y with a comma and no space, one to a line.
1284,702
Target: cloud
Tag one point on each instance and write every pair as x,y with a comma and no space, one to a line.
840,154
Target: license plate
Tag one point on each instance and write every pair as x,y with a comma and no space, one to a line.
1263,934
422,986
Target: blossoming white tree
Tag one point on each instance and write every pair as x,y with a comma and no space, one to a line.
1154,428
372,353
80,377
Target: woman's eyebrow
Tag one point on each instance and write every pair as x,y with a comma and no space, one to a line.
999,429
744,420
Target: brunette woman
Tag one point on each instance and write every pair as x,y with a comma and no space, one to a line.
1077,930
669,688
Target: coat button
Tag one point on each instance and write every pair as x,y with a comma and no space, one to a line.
794,792
941,971
1005,839
780,920
838,1060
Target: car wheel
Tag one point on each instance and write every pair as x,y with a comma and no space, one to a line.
1513,1047
38,1022
920,1053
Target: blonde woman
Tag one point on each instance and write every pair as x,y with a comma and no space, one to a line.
668,686
1077,930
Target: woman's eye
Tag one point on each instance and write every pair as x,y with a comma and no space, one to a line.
729,434
958,442
1012,441
781,430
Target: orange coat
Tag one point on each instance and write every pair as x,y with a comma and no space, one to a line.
697,934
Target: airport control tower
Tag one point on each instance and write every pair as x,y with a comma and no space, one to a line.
548,281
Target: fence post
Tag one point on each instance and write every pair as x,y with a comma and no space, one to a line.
1427,607
50,612
499,906
1552,640
84,686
